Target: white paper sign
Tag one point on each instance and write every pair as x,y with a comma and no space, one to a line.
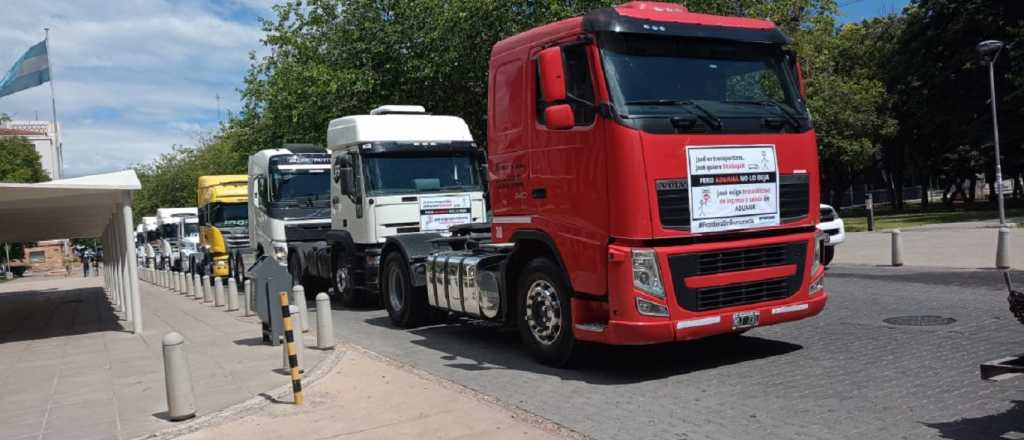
437,213
732,187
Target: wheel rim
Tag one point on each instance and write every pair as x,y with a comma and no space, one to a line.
543,312
341,279
395,288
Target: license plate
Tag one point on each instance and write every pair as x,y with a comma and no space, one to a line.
745,320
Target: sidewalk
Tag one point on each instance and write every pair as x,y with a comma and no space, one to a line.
73,372
967,245
365,397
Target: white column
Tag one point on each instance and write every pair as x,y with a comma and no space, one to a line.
119,275
129,258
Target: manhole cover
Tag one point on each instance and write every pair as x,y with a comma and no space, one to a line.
919,320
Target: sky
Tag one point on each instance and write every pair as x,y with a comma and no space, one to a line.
134,77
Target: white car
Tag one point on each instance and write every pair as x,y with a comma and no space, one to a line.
833,226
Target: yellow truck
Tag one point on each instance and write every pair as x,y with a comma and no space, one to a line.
223,225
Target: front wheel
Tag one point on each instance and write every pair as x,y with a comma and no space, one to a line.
406,304
545,314
238,271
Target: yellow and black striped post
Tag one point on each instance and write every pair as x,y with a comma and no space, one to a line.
293,356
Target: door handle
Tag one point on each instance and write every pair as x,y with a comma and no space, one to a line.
540,193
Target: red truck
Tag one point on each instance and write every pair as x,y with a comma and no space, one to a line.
653,178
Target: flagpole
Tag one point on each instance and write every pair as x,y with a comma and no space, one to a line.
53,102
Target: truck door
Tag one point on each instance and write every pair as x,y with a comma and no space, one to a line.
258,213
568,174
347,197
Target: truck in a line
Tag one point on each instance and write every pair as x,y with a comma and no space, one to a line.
397,170
288,205
178,230
653,178
223,226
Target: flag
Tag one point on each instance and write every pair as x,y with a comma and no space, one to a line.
32,69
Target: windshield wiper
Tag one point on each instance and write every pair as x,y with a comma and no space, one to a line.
701,112
790,117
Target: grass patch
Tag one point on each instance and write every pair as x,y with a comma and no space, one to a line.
886,218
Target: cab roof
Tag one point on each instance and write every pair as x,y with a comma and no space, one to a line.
402,124
652,18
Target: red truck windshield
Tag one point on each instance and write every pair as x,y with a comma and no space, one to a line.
724,84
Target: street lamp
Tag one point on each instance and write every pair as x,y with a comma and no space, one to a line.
989,51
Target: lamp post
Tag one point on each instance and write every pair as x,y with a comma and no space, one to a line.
989,51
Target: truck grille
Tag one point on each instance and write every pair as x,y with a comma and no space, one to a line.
711,298
740,259
674,200
235,241
733,260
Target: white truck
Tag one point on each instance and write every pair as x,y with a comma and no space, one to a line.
177,227
152,241
289,204
397,170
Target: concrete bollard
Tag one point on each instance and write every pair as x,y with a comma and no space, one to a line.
178,283
232,295
1003,248
300,345
300,301
207,295
324,326
197,286
246,297
218,292
180,399
181,284
897,248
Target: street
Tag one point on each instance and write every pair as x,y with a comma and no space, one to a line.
843,374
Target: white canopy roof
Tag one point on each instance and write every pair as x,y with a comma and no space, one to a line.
81,207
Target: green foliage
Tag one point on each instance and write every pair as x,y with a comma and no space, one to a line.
19,161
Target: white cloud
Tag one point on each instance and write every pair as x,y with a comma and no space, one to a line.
133,77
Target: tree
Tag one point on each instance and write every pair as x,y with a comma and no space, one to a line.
19,161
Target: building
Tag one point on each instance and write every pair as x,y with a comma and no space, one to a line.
46,139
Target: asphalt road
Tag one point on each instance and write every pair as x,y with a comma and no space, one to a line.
843,374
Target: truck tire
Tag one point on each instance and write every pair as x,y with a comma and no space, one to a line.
238,271
341,279
545,314
406,304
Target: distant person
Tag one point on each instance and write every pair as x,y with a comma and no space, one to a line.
67,267
96,267
85,266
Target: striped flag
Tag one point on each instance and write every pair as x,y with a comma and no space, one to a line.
32,69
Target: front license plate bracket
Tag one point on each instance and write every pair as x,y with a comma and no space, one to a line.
744,320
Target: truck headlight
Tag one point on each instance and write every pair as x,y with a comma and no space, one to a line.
646,276
819,244
280,253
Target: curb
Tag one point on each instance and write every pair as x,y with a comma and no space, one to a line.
249,406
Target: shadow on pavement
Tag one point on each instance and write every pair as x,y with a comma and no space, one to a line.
993,426
475,346
249,342
40,314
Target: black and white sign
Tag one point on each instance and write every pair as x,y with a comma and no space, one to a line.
438,213
732,187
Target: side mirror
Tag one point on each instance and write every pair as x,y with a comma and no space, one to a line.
552,74
800,79
559,117
346,181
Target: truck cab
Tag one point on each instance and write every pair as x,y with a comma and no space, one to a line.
223,225
289,203
653,178
151,241
175,234
397,170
